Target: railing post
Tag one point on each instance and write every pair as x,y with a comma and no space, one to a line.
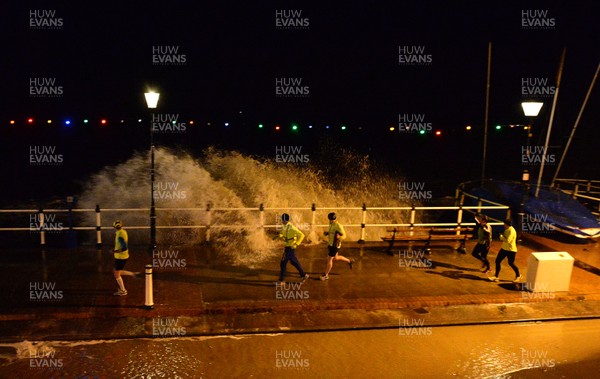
42,228
261,216
98,227
575,190
456,195
313,209
413,212
508,214
459,219
208,221
589,186
479,204
362,224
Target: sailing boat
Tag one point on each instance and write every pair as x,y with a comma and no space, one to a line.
551,210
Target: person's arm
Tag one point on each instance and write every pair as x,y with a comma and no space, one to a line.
122,244
487,232
341,231
278,236
512,236
299,237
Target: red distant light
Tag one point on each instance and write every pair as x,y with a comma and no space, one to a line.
438,132
12,122
192,122
30,120
277,127
103,121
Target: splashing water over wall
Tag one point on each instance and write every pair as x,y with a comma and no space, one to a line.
233,180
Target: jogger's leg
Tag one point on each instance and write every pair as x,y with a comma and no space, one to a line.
119,280
283,265
294,261
511,262
329,265
484,253
499,259
341,258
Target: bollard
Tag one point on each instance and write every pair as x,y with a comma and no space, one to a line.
149,303
208,220
98,227
413,212
363,224
313,219
42,228
261,216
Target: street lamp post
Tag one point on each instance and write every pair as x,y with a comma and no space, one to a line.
531,110
152,102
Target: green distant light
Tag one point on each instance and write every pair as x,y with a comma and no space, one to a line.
343,127
498,127
86,121
260,126
421,131
294,127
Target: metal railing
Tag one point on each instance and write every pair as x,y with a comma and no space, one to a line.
581,189
42,226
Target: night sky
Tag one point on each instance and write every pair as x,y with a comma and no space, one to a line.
346,53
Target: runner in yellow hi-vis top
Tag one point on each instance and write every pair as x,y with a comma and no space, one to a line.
507,250
292,237
335,235
121,254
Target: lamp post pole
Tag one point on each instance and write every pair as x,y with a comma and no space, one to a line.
531,110
152,102
152,205
524,194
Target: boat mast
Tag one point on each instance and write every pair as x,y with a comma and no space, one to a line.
487,107
587,96
560,68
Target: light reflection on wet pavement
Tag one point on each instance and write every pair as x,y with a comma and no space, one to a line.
569,349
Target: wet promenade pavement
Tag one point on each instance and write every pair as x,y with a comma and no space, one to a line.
68,293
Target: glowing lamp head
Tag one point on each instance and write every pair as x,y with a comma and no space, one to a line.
531,108
152,99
